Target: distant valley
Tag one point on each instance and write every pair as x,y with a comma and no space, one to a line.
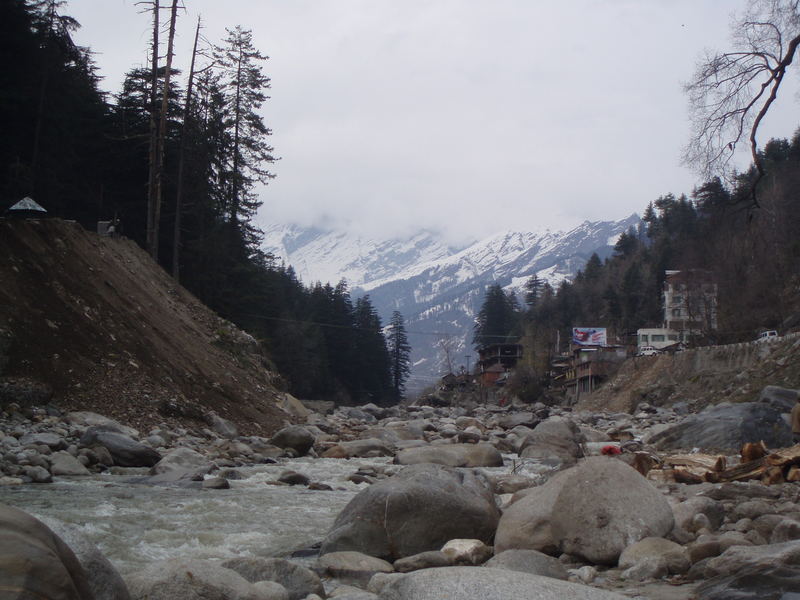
439,288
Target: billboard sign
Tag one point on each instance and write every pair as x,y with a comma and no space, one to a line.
589,336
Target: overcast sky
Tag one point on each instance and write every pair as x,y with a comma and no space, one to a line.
464,116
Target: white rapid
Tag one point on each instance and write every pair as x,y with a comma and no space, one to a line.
134,524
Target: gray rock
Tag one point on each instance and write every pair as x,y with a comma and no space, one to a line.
686,511
556,441
528,561
782,399
467,552
90,419
53,441
353,567
104,580
512,420
222,427
216,483
423,560
419,509
298,580
269,590
526,523
180,459
35,562
769,583
293,478
738,490
603,507
727,427
452,455
64,464
125,451
674,556
785,531
738,559
361,448
190,580
38,474
471,583
295,437
652,567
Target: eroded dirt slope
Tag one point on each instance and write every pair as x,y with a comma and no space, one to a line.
702,376
106,329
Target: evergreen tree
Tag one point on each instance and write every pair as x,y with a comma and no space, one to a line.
533,290
243,84
498,319
399,354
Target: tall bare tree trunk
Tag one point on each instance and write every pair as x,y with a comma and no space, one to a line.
176,240
237,120
162,131
151,176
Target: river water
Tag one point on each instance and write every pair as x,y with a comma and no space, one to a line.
134,524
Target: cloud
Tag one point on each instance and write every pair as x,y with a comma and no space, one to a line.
458,115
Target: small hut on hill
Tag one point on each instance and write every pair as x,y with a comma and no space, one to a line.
26,208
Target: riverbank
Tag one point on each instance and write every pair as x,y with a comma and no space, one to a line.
417,477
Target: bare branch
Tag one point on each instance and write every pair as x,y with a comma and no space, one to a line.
731,92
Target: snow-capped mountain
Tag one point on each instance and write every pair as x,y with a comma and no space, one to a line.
439,289
330,256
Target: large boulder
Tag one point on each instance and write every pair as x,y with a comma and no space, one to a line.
738,559
452,455
180,459
727,427
188,579
556,441
295,437
36,563
85,418
604,507
781,398
298,580
419,509
104,580
359,448
125,451
64,464
769,583
469,583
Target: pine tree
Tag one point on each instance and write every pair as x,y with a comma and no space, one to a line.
399,354
533,290
498,319
243,83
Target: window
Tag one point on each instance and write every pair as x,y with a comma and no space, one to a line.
643,338
676,312
677,299
658,338
672,337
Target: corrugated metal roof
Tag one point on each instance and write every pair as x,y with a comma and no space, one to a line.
27,203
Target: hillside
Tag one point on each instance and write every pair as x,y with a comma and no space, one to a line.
701,376
93,323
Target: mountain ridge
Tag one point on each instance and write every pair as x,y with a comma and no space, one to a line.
439,289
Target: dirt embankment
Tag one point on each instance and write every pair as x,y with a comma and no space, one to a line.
106,329
701,376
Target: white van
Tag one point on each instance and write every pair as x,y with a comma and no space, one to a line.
647,351
767,336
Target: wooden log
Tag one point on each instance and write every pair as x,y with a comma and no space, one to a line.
773,476
683,475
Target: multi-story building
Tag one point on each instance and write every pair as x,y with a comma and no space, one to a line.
690,302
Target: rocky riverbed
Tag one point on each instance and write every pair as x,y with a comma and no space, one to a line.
416,502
